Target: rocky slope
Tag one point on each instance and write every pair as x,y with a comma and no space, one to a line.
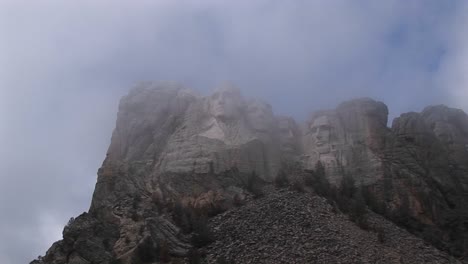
172,147
288,226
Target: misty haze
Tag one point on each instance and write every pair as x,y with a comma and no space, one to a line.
233,131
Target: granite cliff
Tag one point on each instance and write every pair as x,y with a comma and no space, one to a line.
174,149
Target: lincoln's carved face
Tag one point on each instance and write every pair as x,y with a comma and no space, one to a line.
260,115
226,104
320,132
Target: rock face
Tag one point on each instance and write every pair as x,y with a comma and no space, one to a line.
181,132
165,135
347,140
173,146
427,172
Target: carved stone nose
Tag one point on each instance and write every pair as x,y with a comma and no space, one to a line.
318,135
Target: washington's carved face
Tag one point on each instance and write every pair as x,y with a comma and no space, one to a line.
320,131
260,116
226,104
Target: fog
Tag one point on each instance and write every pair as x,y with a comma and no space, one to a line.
65,64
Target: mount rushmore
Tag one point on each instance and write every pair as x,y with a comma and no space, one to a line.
171,145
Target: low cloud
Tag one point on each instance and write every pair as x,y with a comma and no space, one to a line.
64,66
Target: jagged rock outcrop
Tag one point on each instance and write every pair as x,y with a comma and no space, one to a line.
85,239
427,172
172,146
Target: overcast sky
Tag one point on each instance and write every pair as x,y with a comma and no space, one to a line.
65,64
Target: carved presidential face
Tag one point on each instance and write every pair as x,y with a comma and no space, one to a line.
320,133
226,104
260,116
288,134
442,131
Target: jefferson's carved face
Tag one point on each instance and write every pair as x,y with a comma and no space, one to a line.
225,104
260,115
320,131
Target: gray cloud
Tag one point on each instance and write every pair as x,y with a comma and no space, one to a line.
452,76
64,66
